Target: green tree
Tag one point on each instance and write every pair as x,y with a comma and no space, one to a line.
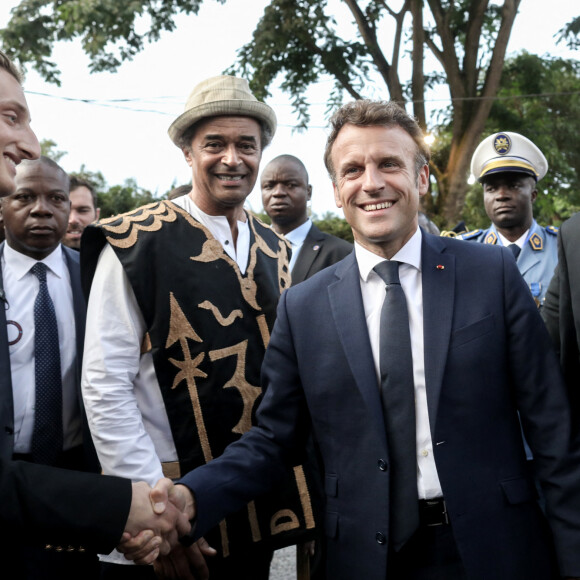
48,148
115,199
334,225
123,198
540,98
300,42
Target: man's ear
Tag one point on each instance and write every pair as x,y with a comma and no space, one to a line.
336,195
423,180
187,155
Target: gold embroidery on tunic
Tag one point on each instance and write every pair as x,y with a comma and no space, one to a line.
171,469
224,537
277,526
248,392
227,321
254,526
180,330
160,211
146,344
304,496
264,330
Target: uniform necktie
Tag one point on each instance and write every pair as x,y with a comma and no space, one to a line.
47,435
398,400
515,250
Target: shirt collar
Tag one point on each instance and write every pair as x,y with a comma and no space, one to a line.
409,254
218,225
297,236
20,264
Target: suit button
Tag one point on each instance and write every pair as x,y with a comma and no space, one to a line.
380,538
9,430
382,464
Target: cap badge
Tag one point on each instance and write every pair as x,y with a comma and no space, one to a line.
502,143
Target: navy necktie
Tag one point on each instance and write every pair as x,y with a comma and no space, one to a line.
398,400
47,435
515,250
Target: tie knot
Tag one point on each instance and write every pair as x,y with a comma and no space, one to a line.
515,249
39,270
388,271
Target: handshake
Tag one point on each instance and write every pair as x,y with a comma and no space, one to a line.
158,518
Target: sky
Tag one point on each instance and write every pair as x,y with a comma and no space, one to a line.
122,131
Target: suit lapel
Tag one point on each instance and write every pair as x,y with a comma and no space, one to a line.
438,274
307,255
349,317
6,397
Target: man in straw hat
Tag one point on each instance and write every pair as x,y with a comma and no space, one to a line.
181,306
509,166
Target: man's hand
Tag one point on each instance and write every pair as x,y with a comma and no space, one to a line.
185,563
154,523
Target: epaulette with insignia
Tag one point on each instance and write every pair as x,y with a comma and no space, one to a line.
470,235
552,230
491,238
536,242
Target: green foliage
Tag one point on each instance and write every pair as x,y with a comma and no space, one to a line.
48,149
540,98
332,224
123,198
107,29
297,38
570,34
115,199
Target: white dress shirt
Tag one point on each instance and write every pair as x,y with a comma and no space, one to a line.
21,288
123,402
373,294
519,242
296,238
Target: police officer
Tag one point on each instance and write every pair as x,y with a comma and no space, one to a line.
508,166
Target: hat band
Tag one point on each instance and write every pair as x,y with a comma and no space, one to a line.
506,165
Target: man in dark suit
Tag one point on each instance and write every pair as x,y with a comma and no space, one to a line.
452,496
42,504
561,310
43,408
285,196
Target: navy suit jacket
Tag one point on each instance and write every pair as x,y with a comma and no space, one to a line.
45,505
318,251
487,355
561,310
6,401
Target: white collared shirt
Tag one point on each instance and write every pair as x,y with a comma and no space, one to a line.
373,294
296,238
220,229
519,242
21,288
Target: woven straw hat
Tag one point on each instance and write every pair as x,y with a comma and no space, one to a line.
217,96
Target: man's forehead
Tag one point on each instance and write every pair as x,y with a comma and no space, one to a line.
227,124
283,169
505,177
30,173
351,139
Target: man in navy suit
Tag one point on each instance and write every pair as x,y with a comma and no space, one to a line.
285,196
480,353
561,311
46,504
35,220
